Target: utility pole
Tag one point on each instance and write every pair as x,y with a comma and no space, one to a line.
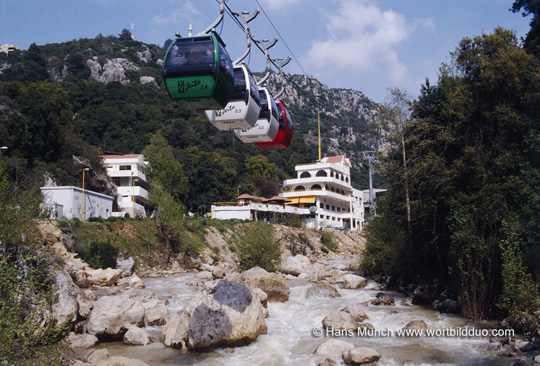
369,156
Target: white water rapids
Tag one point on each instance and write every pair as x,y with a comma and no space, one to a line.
290,339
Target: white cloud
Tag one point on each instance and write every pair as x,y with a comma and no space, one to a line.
278,4
363,38
188,13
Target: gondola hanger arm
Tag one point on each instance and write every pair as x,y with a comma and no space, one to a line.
280,63
266,45
246,18
217,21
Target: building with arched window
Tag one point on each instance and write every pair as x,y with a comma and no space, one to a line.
321,194
327,194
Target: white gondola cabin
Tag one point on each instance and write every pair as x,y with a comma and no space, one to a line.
267,124
242,111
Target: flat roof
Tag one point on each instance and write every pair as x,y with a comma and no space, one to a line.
86,191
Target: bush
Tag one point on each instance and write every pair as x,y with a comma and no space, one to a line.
101,254
385,244
259,248
328,241
519,295
27,331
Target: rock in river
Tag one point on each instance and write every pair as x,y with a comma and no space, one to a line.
228,315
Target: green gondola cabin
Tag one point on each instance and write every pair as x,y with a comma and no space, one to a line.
198,71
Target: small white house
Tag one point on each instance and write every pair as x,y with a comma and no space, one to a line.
67,201
128,173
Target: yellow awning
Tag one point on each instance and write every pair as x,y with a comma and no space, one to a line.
297,200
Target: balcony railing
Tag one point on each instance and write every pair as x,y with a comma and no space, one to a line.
140,192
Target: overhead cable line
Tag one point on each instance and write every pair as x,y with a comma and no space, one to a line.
295,85
283,39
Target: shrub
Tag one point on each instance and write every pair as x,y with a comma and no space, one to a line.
101,254
26,283
259,248
519,292
328,241
385,244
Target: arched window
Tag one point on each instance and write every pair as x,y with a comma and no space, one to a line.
331,174
305,175
322,173
300,188
347,179
316,186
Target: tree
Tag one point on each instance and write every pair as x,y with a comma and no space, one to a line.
394,117
530,7
164,168
471,140
261,176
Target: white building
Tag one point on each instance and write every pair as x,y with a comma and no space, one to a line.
321,193
325,188
7,48
128,173
67,201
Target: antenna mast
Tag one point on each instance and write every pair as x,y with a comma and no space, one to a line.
319,125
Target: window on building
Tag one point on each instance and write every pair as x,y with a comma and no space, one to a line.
316,186
300,188
322,173
125,167
327,207
305,175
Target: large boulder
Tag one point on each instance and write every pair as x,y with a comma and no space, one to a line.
295,265
356,263
360,356
98,277
112,316
102,357
274,285
383,299
126,266
356,311
137,336
333,347
340,320
82,340
416,325
155,307
66,308
322,291
330,275
86,299
353,282
229,315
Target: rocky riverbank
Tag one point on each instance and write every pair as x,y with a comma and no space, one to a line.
226,308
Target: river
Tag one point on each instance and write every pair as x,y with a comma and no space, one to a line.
291,326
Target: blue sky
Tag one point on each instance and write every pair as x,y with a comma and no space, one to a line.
365,45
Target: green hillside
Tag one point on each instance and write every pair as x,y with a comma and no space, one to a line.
63,104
